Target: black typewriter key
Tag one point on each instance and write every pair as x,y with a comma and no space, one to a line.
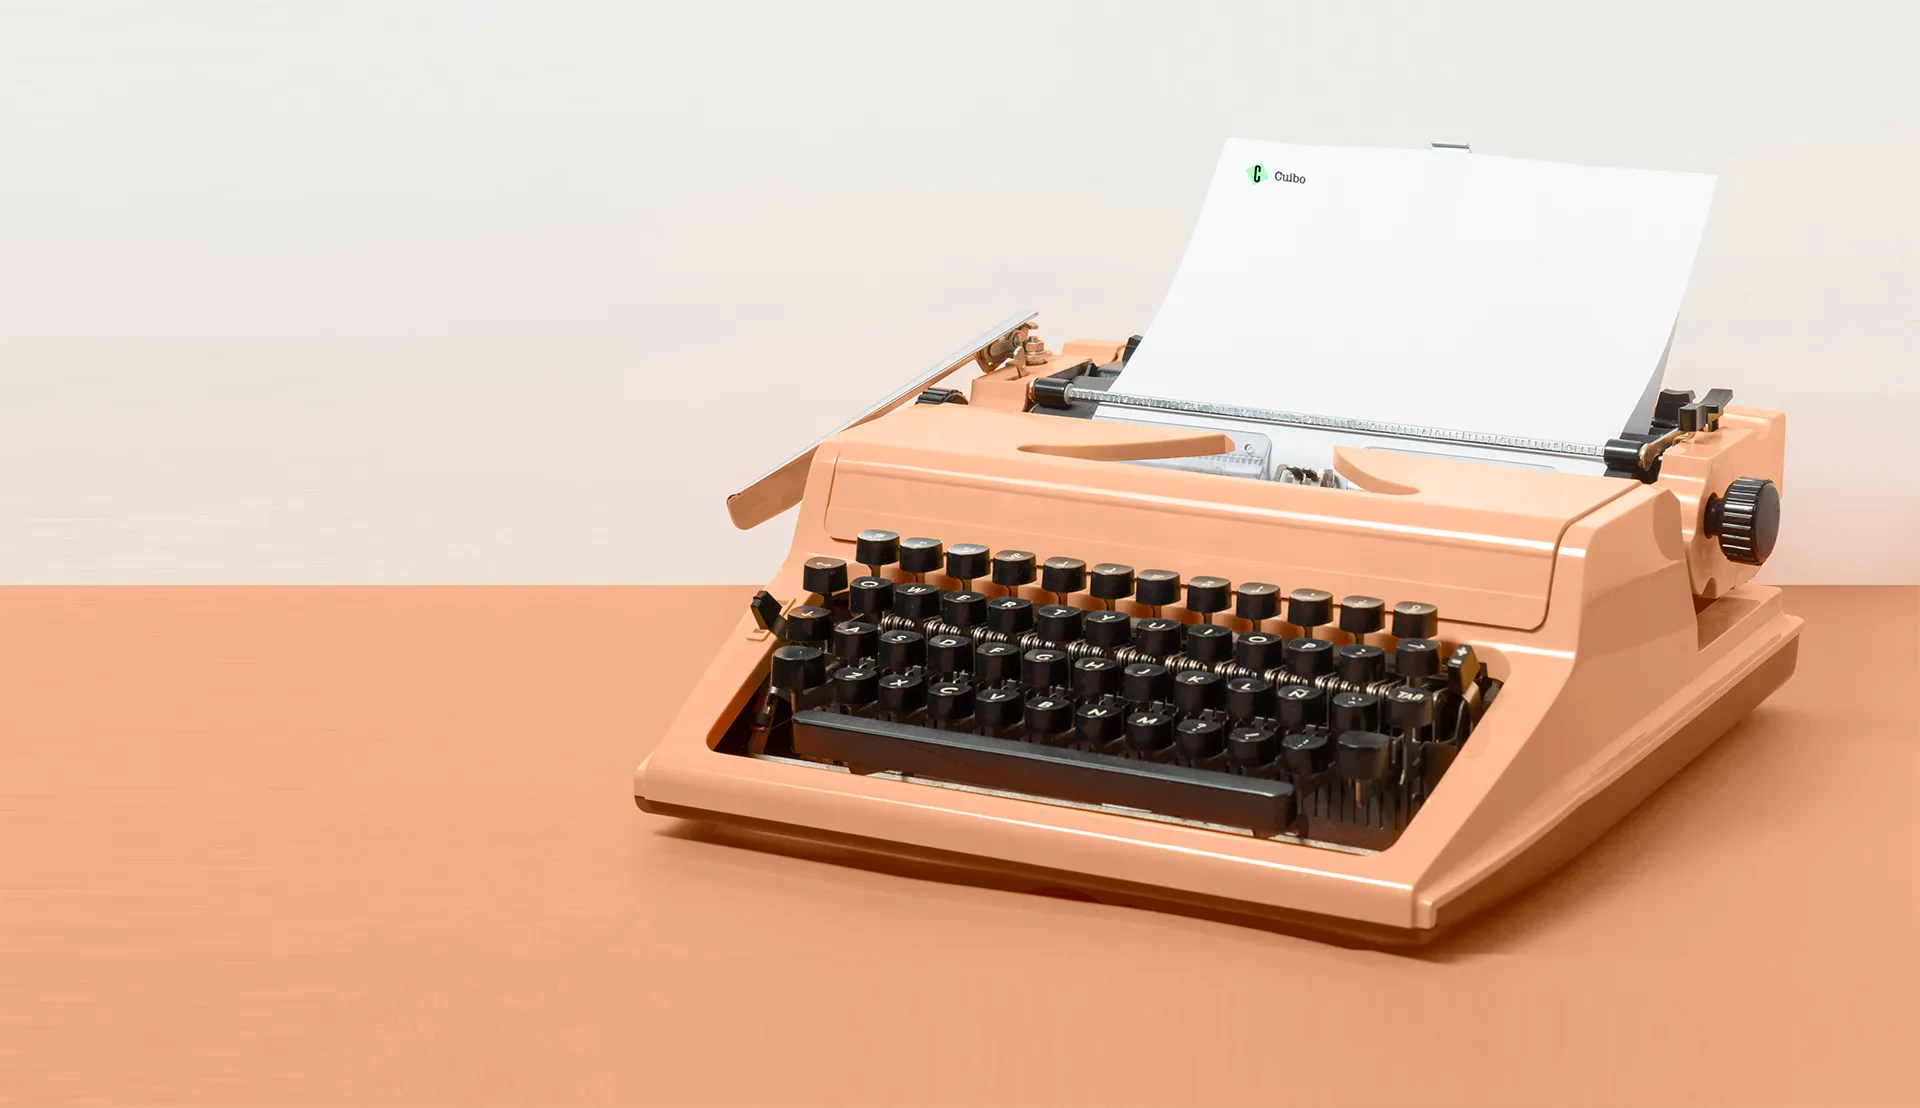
1309,608
1198,740
1360,664
798,668
1196,690
824,576
855,686
1353,711
1063,576
949,654
876,550
870,597
902,694
1011,616
1260,651
1415,619
1146,683
856,639
1462,669
994,662
1160,638
963,609
998,708
1409,710
1305,752
1309,658
1098,725
1413,659
1150,734
1012,569
918,556
1361,616
950,702
1157,588
1057,623
1208,595
902,649
1362,755
1255,601
916,600
1048,717
1299,707
1094,678
1209,643
809,624
966,563
1251,748
1044,667
1111,581
1106,629
1250,698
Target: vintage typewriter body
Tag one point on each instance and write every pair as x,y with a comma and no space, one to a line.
1373,702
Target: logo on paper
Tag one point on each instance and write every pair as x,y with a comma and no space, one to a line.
1258,173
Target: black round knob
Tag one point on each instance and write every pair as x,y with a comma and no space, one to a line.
1260,651
1199,739
1048,716
876,548
1010,615
1416,659
902,649
1146,682
963,609
1043,667
798,668
1111,581
1249,748
1107,630
1415,619
1196,690
902,693
1209,643
1306,752
1094,678
916,600
1249,697
1300,706
949,701
1362,615
825,576
1747,519
1097,724
1013,568
922,555
1161,638
966,561
1309,658
855,639
1360,664
994,662
1156,588
1363,755
809,624
1063,575
871,597
1354,711
1309,608
948,654
1256,600
998,707
1057,623
1409,709
1208,595
855,687
1149,733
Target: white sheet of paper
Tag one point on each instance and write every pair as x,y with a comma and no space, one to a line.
1430,287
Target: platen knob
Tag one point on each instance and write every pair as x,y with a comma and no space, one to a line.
1747,519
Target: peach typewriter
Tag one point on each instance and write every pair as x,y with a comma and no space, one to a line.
1371,701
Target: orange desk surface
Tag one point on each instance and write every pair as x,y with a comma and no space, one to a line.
356,846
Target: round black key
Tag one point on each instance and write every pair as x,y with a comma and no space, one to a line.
1048,716
798,668
902,693
1362,615
1146,683
1010,615
949,701
876,548
902,649
1111,581
949,654
1157,588
963,609
1250,748
871,597
809,624
998,707
855,687
1413,659
1149,733
1160,638
966,561
1208,595
1260,651
1409,709
1196,740
1299,707
922,555
1107,630
1094,678
1360,664
1196,690
916,600
825,576
856,639
1363,755
1096,724
1353,711
1044,667
1209,643
1013,568
1309,608
1063,575
1415,619
1256,600
1250,698
1057,623
994,662
1306,752
1309,658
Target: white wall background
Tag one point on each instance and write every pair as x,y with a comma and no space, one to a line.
466,293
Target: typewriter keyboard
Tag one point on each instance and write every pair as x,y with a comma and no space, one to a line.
1023,677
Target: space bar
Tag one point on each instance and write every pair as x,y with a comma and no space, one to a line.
1262,806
